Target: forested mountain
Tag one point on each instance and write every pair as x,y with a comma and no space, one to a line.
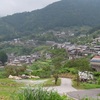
64,13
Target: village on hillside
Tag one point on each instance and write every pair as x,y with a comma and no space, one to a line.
73,50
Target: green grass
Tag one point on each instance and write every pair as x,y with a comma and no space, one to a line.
98,94
89,98
38,94
8,83
8,87
85,85
51,82
2,73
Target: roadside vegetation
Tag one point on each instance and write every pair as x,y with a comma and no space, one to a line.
90,84
38,94
52,68
85,85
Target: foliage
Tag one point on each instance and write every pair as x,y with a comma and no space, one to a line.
86,85
16,49
41,73
15,70
41,68
99,81
96,74
81,64
58,58
38,94
2,73
3,57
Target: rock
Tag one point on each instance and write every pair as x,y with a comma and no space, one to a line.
35,77
17,78
14,77
10,76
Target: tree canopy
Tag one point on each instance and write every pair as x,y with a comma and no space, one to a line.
3,57
58,57
81,64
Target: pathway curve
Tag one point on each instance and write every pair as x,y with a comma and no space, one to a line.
65,87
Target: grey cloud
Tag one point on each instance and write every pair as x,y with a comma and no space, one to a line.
8,7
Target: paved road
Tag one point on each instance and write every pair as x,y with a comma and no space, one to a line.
65,87
92,93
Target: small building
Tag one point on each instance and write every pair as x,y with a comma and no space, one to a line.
95,63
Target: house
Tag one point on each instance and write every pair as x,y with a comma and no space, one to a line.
95,63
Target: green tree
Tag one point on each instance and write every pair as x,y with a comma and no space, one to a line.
81,64
58,58
3,57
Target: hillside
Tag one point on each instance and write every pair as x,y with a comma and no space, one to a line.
64,13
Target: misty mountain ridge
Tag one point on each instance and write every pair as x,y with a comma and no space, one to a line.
64,13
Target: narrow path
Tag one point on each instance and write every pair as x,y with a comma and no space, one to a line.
65,87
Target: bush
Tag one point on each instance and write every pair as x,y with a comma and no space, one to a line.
64,70
97,74
73,71
99,81
41,73
38,94
15,70
2,73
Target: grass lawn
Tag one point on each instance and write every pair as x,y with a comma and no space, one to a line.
7,88
85,85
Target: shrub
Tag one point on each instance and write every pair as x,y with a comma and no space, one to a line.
73,70
15,70
41,73
64,70
99,81
97,74
38,94
2,73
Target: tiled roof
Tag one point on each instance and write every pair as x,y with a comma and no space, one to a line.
95,60
96,57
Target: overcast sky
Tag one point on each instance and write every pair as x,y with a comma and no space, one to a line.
8,7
